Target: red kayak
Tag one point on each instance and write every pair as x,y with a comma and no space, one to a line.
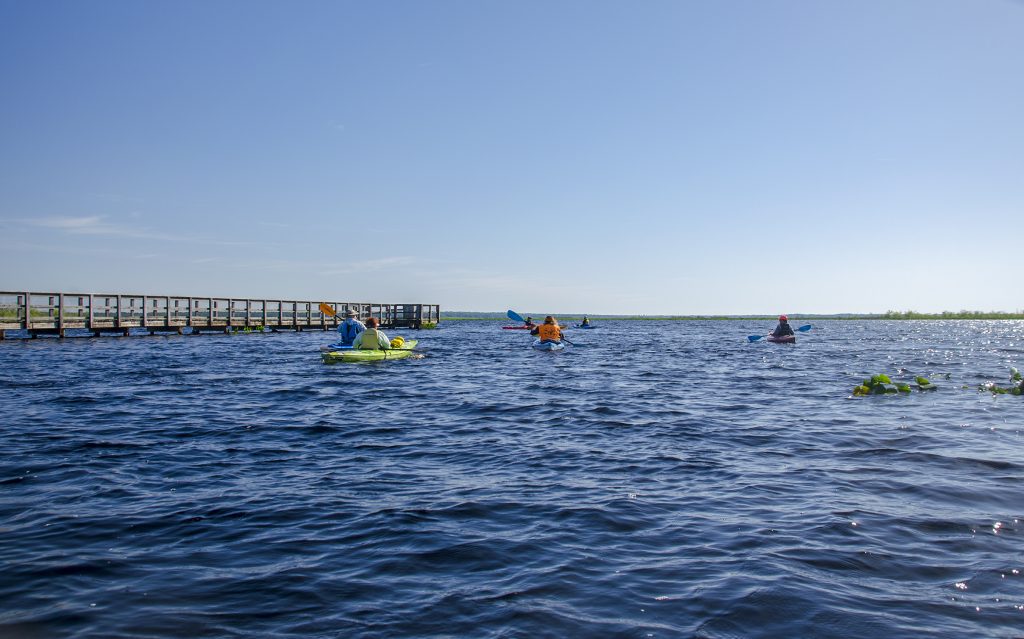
517,328
785,339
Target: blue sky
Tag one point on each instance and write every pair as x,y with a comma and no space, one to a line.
741,156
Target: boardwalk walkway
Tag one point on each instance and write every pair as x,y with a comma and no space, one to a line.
82,313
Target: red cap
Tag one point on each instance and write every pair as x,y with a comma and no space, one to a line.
783,318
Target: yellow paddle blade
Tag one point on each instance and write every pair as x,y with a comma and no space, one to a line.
327,310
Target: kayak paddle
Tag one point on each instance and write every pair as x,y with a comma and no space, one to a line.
327,310
802,329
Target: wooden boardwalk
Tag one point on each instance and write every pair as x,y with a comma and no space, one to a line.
84,313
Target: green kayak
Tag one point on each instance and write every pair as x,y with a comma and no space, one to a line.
360,355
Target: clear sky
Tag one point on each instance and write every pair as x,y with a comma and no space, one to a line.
683,156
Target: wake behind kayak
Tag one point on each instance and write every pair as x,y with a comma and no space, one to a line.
548,346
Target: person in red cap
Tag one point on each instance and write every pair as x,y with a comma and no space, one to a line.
783,328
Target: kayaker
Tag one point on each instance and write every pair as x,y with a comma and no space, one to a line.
586,321
350,328
783,328
372,339
548,331
529,322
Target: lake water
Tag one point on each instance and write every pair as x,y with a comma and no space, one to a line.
659,479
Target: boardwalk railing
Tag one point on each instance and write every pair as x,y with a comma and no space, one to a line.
55,313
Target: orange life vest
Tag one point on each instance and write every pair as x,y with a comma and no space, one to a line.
549,331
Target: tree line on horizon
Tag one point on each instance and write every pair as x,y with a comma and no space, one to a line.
962,314
888,315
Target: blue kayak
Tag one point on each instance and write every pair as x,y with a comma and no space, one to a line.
548,346
585,326
336,347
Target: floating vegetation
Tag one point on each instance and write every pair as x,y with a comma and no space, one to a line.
882,385
428,325
1016,389
247,329
924,384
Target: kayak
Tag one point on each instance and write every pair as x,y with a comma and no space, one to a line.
585,326
336,347
361,355
785,339
548,346
517,328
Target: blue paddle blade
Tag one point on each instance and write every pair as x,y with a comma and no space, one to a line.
804,328
512,315
754,338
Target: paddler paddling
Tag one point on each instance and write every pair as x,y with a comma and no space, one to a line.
783,329
350,328
372,339
529,322
548,332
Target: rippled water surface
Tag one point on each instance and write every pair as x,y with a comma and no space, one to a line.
659,479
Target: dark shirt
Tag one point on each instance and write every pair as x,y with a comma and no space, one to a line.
782,330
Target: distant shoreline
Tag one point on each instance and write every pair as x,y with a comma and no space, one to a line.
892,315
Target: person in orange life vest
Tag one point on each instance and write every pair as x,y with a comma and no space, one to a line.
372,339
548,331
